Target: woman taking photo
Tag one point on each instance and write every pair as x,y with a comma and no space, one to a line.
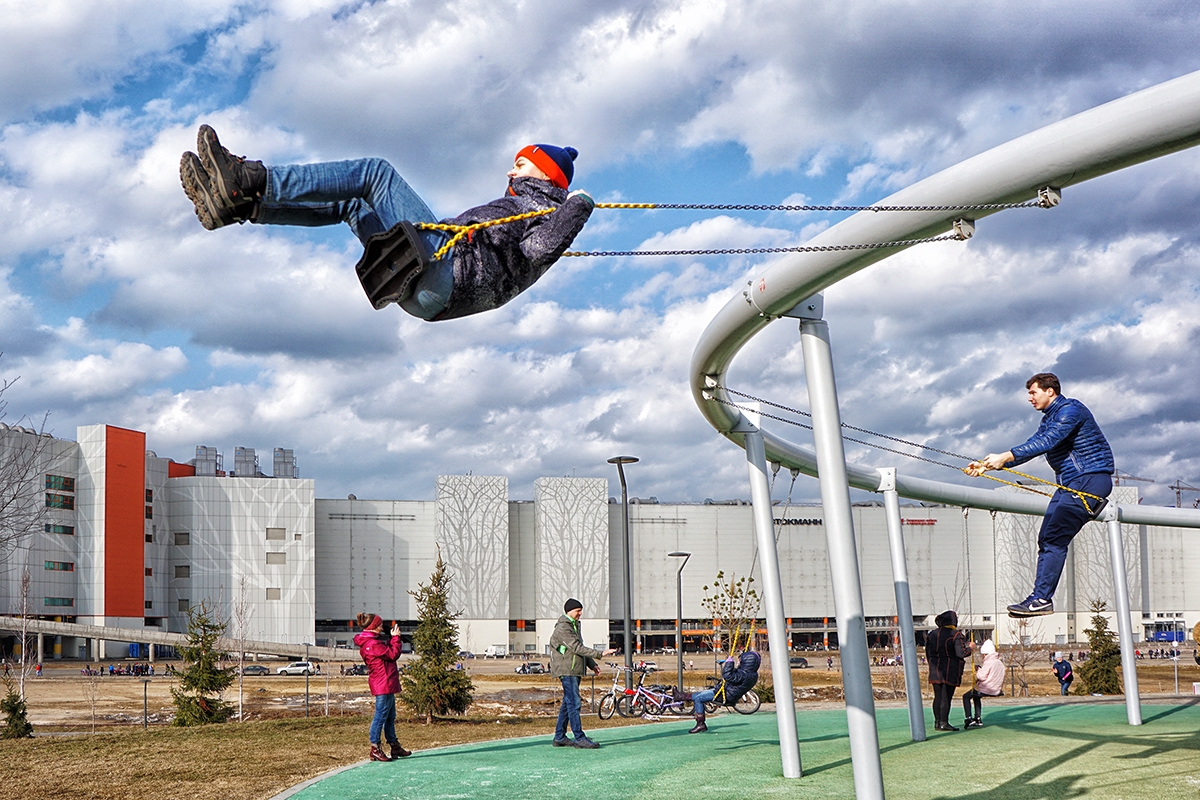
379,653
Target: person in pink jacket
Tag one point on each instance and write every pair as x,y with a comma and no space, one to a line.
379,653
989,682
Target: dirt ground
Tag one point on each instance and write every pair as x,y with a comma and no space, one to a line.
65,700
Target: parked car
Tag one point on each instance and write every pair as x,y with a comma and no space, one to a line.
465,654
356,669
649,666
531,668
255,669
799,662
299,668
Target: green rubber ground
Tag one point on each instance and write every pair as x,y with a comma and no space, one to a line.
1025,752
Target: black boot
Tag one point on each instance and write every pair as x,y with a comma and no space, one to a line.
235,181
700,726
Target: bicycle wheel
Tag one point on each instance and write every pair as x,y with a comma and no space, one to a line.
747,703
608,704
711,707
628,706
682,708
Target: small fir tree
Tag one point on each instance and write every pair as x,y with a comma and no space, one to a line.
198,698
16,724
431,684
1099,672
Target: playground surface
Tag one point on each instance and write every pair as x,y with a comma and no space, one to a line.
1029,752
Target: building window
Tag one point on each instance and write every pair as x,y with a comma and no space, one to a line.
60,501
150,538
66,530
296,537
149,512
60,601
149,572
276,558
149,495
183,571
276,534
183,538
57,483
274,594
184,604
149,604
60,566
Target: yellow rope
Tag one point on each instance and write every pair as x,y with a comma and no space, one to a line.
1081,495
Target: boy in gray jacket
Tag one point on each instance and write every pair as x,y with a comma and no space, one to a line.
482,271
570,659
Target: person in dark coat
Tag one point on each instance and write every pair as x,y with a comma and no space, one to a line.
480,272
947,651
379,652
739,674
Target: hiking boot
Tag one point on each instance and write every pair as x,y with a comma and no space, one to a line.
398,751
562,743
700,727
586,744
377,753
1031,607
209,210
235,181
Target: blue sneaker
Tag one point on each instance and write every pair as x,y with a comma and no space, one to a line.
1031,607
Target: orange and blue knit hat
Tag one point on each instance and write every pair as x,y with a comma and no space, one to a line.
556,162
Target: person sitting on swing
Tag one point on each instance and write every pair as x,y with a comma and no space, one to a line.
481,271
739,674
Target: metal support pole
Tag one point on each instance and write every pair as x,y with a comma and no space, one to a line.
679,611
621,461
908,640
777,635
843,560
1116,551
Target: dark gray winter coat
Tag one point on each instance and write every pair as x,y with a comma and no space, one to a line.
500,262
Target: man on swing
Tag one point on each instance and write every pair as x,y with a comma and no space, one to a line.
1082,461
480,272
739,674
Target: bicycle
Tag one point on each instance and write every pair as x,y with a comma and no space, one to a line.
608,703
657,700
748,703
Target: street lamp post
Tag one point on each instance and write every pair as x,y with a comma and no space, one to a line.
679,611
620,461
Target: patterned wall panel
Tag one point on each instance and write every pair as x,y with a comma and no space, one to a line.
1093,563
472,532
571,556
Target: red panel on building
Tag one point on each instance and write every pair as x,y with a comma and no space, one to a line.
180,470
124,522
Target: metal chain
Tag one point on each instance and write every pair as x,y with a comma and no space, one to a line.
723,207
825,249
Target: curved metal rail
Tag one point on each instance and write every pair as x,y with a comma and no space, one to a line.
1151,123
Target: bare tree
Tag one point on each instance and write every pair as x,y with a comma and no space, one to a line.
241,622
25,457
1026,651
733,606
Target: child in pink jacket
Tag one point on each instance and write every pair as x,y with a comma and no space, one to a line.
989,682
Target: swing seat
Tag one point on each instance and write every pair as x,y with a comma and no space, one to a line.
1099,509
391,263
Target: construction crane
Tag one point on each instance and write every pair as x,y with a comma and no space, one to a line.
1120,475
1180,487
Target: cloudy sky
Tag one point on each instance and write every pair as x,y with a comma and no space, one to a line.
117,307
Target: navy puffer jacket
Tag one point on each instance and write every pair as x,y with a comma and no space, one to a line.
500,262
1071,441
741,676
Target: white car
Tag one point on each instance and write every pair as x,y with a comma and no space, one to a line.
649,666
299,668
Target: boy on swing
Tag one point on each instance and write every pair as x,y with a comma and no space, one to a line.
480,272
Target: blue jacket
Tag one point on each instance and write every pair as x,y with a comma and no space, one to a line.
1071,441
740,677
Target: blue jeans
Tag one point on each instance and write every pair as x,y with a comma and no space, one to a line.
385,718
700,698
368,195
569,710
1065,516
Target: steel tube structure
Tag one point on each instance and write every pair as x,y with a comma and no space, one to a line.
777,635
843,560
679,612
1153,122
1116,553
621,461
904,615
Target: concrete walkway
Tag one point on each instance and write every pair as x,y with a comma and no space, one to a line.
1037,752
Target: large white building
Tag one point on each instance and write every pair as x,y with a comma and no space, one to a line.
133,540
